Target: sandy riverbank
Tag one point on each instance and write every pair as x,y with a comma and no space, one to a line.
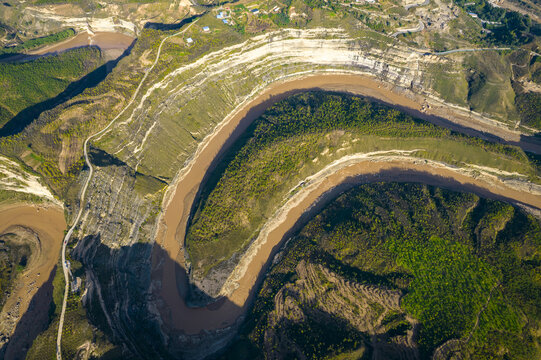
111,44
343,174
168,265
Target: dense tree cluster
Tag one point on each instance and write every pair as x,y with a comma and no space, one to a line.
506,27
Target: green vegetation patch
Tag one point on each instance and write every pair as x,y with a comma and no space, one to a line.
37,42
450,83
27,83
79,336
506,27
529,108
489,85
8,196
451,288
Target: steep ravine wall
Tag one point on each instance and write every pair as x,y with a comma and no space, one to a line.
160,135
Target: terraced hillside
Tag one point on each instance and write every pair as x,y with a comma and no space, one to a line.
385,263
116,187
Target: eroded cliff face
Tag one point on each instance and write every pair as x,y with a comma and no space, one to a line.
155,141
117,298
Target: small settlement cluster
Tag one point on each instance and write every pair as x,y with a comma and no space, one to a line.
205,29
225,17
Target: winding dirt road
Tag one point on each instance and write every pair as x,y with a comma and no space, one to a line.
168,256
175,313
85,187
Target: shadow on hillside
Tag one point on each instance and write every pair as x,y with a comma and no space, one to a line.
527,143
25,117
173,26
244,130
128,288
130,284
32,323
397,174
236,140
531,143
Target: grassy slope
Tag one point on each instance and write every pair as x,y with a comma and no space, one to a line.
100,92
81,116
490,88
296,138
10,197
28,83
450,252
118,87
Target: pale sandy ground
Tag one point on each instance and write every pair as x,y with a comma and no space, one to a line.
48,223
14,178
182,193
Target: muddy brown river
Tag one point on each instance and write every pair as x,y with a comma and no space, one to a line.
176,314
49,224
